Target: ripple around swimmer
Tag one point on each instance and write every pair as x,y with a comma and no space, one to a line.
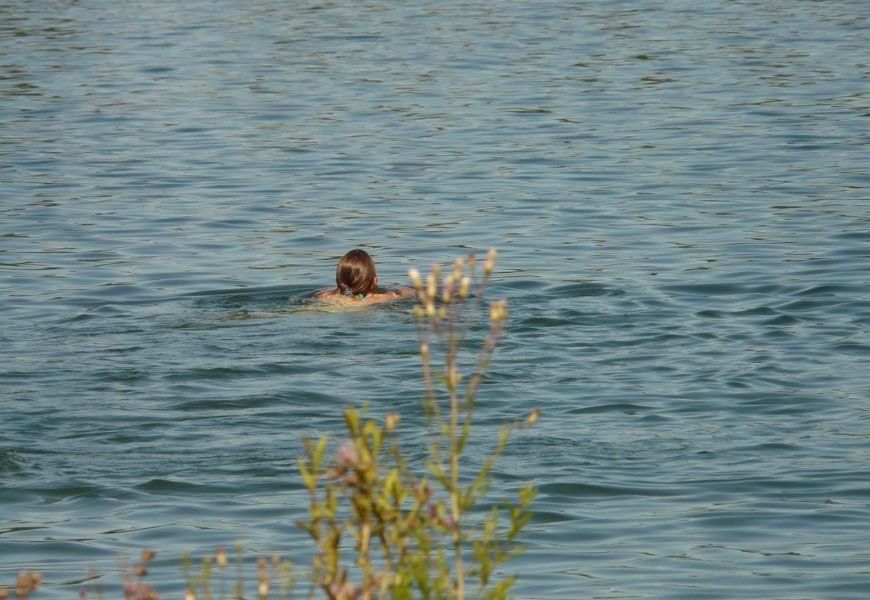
11,461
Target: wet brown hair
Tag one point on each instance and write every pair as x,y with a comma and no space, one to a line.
356,273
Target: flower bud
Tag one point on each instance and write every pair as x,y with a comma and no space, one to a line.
498,310
447,293
463,288
347,456
490,261
392,421
533,416
414,275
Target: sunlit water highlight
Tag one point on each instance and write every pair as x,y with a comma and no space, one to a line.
679,192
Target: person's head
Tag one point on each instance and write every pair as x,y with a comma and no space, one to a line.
356,273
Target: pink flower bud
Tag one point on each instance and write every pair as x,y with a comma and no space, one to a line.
347,456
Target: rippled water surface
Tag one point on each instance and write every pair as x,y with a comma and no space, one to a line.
679,194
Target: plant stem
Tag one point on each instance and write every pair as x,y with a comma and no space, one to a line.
455,490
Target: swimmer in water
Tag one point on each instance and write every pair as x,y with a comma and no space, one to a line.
357,282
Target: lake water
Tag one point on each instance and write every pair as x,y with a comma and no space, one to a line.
679,194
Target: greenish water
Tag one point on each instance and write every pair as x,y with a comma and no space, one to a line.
679,194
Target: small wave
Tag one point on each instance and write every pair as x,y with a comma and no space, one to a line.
585,490
580,289
11,461
605,408
782,320
168,486
825,290
720,289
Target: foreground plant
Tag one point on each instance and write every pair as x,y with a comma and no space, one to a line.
275,577
381,530
26,583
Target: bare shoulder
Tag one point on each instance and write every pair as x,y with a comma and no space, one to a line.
326,294
332,296
389,296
